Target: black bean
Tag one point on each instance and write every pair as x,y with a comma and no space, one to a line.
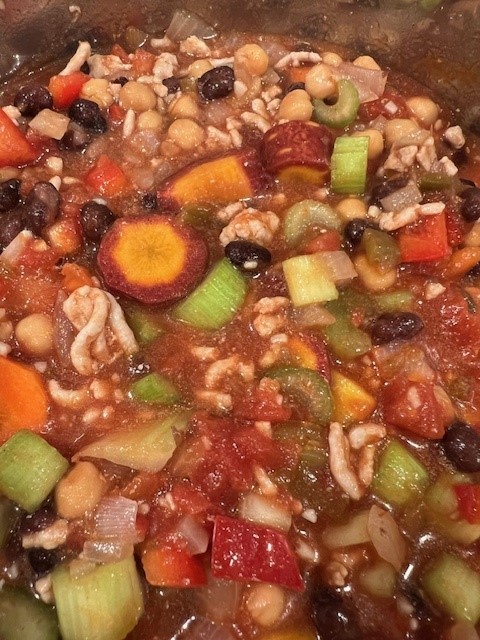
470,208
96,218
32,98
461,444
172,84
384,189
294,86
332,617
391,326
87,114
150,201
9,195
12,223
75,138
474,271
467,182
85,68
355,229
42,206
121,80
41,560
38,520
248,256
216,83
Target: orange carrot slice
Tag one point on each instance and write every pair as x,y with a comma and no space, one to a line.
152,258
23,399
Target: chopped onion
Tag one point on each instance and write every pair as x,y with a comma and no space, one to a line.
202,629
185,24
265,511
271,76
313,315
462,631
13,251
370,83
101,551
354,532
394,358
194,534
340,267
220,598
50,124
386,537
116,518
408,195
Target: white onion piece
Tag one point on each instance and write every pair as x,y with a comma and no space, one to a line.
264,511
220,598
116,518
408,195
313,315
354,532
340,267
195,536
185,24
386,537
271,76
370,83
50,124
13,251
462,631
202,629
100,551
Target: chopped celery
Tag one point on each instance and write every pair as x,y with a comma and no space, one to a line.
345,109
144,327
400,477
29,469
7,518
354,531
102,604
454,587
349,164
435,182
23,617
199,217
146,447
381,250
155,388
379,580
307,389
401,300
308,280
216,300
345,339
302,216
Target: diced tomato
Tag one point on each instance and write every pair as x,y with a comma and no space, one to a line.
452,316
15,149
327,241
106,177
116,113
426,240
75,276
243,551
261,404
66,89
413,406
189,500
455,226
142,63
468,499
118,50
172,567
383,107
142,525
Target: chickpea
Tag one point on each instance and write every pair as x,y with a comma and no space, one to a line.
79,491
351,208
265,603
252,58
372,278
184,106
366,62
375,142
185,133
98,90
424,109
137,96
331,58
472,239
319,81
397,129
149,120
199,67
34,334
296,105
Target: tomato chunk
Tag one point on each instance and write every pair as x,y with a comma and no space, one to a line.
261,404
243,551
15,149
66,89
106,177
468,498
172,567
426,240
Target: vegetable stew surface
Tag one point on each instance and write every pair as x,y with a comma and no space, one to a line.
239,346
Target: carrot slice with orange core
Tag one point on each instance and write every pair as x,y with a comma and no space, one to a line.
152,259
23,399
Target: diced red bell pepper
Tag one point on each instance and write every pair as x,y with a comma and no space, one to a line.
426,240
329,240
261,404
66,89
15,149
243,551
106,177
468,499
172,567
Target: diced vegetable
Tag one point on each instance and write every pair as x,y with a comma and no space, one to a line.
400,477
243,551
468,497
66,89
7,518
352,403
15,149
311,353
261,404
216,300
343,112
107,178
454,587
29,469
349,164
379,579
306,215
381,249
308,280
172,567
23,617
353,532
345,339
425,241
400,300
103,603
434,182
144,327
265,511
461,261
155,388
145,448
386,537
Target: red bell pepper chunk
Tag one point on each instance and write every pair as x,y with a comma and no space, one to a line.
15,149
106,177
426,240
468,499
66,89
172,567
243,551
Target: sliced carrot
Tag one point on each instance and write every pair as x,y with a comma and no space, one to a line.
107,178
75,276
142,63
171,567
298,74
15,149
66,89
462,261
23,399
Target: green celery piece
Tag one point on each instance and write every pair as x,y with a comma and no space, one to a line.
29,469
302,216
401,300
23,617
216,300
400,477
429,5
8,513
147,447
345,339
307,388
348,164
144,327
308,280
343,112
454,587
434,182
155,388
104,603
381,250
